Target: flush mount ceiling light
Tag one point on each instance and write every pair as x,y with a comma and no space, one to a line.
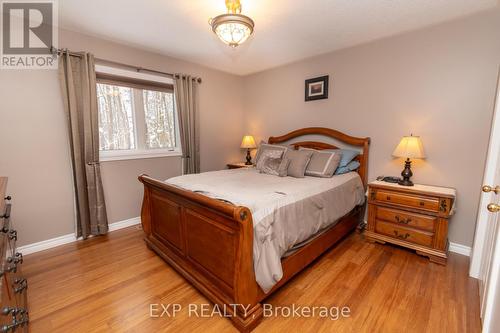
232,28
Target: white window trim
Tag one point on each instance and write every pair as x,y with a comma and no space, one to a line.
133,74
140,152
133,154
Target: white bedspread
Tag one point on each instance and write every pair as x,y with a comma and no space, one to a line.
285,210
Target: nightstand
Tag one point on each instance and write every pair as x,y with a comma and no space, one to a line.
415,217
239,165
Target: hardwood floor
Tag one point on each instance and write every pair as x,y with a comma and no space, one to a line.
106,284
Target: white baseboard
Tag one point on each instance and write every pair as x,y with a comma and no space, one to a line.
460,249
124,224
61,240
46,244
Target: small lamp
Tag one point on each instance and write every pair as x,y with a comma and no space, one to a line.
248,143
409,147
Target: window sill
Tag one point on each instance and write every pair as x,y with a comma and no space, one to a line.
134,155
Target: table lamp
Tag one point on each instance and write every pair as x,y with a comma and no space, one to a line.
248,143
409,147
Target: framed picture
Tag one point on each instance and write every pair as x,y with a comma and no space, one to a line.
317,88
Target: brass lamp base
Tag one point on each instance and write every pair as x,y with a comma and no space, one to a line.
406,173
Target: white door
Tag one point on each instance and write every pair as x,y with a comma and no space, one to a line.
485,263
490,268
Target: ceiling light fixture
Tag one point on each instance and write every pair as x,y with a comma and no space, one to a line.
232,28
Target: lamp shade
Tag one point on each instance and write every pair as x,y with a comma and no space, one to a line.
409,147
248,142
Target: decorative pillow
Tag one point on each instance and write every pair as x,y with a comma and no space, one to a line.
275,166
347,156
353,165
263,147
269,153
299,159
323,163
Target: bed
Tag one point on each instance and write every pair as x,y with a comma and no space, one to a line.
216,236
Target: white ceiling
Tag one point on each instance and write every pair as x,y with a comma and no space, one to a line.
285,30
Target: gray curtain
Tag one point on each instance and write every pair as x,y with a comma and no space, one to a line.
78,82
186,98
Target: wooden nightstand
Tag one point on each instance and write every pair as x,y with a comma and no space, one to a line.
415,217
239,165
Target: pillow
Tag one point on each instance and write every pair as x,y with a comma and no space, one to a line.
265,154
274,166
347,156
353,165
299,159
323,163
279,150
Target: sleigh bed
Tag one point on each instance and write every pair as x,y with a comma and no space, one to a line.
210,241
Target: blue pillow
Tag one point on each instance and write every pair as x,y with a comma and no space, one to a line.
351,166
347,156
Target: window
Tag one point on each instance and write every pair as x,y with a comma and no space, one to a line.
137,116
116,118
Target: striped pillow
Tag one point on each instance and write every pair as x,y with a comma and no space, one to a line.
323,163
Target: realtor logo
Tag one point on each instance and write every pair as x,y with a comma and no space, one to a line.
29,31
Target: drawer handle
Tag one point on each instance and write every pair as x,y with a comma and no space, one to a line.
12,235
442,206
388,198
21,284
402,220
6,310
16,258
16,322
422,203
401,236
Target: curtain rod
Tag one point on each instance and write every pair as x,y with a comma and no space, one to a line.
58,52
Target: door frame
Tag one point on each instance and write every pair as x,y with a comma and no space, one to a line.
489,175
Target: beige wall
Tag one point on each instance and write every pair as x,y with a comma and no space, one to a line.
34,144
438,83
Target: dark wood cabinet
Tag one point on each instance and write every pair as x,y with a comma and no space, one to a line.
415,217
13,286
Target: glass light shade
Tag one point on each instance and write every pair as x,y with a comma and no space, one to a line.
232,29
409,147
248,142
233,34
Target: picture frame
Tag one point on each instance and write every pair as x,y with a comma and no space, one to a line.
316,88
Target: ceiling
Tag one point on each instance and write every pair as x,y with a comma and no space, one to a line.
285,30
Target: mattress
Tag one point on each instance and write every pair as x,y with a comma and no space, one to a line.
286,211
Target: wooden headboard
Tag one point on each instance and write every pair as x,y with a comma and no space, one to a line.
331,133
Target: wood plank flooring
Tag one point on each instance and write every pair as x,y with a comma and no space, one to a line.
106,284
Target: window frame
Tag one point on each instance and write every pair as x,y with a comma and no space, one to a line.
139,82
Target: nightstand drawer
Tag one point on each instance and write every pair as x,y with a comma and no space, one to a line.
406,218
408,200
404,233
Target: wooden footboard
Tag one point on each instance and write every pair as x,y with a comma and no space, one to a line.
206,240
